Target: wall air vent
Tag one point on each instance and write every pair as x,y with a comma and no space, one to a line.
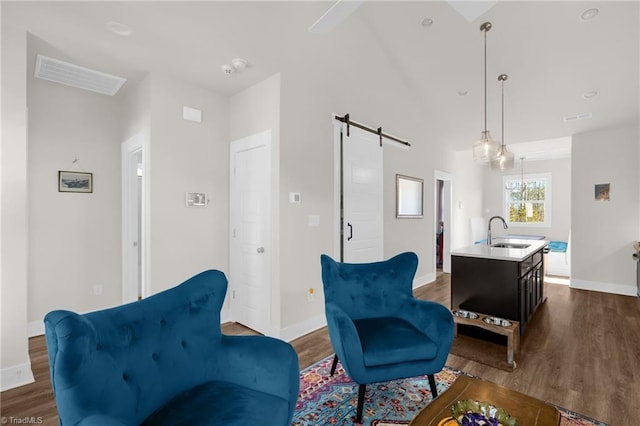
76,76
581,116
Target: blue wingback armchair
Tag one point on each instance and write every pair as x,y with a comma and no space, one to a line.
164,361
378,330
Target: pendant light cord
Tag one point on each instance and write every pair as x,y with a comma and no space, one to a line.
502,93
485,77
523,187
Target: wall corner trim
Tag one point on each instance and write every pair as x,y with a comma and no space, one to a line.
18,375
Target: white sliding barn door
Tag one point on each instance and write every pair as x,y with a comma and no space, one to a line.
362,169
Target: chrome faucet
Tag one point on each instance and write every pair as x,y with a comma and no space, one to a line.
504,223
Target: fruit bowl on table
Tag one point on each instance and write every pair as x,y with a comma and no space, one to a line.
468,412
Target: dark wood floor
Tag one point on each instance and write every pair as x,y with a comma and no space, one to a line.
581,351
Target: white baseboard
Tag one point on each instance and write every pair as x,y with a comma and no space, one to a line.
305,327
424,280
288,334
625,290
18,375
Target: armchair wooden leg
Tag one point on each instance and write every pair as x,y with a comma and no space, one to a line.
361,391
335,364
432,385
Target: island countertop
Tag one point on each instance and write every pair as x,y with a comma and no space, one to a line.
484,251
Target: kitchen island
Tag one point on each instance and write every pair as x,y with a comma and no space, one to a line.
504,280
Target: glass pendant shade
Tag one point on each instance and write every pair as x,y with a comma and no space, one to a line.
504,160
486,148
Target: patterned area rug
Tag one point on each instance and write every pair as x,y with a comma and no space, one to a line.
326,400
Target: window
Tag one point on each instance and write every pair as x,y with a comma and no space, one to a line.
528,205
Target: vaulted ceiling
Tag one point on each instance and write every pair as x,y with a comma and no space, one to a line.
552,56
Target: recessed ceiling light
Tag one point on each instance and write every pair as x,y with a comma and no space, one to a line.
590,94
589,14
118,28
427,22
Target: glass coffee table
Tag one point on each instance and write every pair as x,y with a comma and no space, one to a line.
527,411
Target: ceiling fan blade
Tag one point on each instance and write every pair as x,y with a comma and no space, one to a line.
337,13
472,10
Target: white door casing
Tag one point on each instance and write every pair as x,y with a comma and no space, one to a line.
362,173
250,236
133,229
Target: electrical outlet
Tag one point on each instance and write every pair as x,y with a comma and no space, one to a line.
97,290
310,295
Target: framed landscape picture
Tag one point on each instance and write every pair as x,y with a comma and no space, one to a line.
75,181
602,191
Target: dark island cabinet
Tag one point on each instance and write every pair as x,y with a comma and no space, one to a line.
502,288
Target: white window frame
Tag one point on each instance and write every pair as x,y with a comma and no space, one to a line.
547,201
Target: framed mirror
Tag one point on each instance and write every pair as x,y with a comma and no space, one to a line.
409,197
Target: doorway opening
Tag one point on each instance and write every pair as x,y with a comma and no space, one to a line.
133,196
442,222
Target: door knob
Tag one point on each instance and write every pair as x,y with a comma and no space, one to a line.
260,250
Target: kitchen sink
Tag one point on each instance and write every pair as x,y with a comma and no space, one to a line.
510,245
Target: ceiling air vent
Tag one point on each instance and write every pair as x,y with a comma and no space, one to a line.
76,76
581,116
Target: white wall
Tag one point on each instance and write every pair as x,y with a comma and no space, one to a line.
560,170
185,156
136,114
74,239
603,231
370,89
15,364
253,111
467,190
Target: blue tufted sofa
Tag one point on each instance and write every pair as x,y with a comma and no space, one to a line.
164,361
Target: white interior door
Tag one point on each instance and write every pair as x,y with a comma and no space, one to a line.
362,171
250,218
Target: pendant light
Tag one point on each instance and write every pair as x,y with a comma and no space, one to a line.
523,185
524,193
504,159
486,147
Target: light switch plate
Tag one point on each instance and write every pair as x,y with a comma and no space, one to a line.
295,198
